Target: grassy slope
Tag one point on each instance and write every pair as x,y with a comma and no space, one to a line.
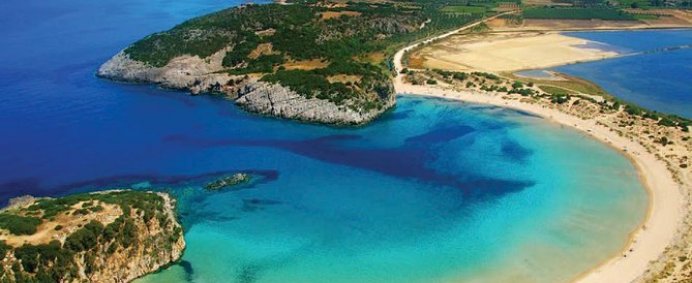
358,43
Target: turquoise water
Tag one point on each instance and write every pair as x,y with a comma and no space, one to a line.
435,190
492,188
656,74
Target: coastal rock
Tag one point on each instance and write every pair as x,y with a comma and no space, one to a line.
228,181
198,75
185,72
279,101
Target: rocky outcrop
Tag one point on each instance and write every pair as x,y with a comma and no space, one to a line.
198,75
186,72
278,101
111,236
158,245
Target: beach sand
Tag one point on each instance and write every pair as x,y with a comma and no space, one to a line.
504,52
666,201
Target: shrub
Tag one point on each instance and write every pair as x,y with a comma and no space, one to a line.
19,225
602,13
4,248
85,238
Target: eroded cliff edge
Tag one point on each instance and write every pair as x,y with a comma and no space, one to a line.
249,91
322,62
111,236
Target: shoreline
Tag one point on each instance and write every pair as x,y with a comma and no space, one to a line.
649,240
665,202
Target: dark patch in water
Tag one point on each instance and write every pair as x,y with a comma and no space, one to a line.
187,267
407,162
253,204
248,274
527,114
396,115
514,151
32,186
440,135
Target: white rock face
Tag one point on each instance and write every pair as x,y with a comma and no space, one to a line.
202,75
185,72
278,101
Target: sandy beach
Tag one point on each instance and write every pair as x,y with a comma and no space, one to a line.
666,201
504,52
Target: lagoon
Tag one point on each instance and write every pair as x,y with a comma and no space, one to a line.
655,71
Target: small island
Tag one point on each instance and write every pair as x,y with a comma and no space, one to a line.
228,181
110,236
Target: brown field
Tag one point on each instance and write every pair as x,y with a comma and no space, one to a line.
331,14
261,49
344,79
373,57
46,231
306,64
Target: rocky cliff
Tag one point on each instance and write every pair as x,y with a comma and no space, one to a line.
113,236
199,76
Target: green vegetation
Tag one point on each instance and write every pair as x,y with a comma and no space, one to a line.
601,13
299,32
452,75
19,225
489,76
649,4
229,181
54,262
668,120
464,9
4,248
558,91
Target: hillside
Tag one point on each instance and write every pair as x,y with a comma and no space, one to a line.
315,61
112,236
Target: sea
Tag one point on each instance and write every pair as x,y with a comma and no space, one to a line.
434,190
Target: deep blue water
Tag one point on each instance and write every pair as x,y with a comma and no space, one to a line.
657,74
434,190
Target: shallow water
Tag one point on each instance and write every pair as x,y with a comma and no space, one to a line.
434,190
656,74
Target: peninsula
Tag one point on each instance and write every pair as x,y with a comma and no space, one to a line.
109,236
326,62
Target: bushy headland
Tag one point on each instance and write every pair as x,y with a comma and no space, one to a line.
313,61
110,236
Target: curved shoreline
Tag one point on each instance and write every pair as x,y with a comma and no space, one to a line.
665,209
664,213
